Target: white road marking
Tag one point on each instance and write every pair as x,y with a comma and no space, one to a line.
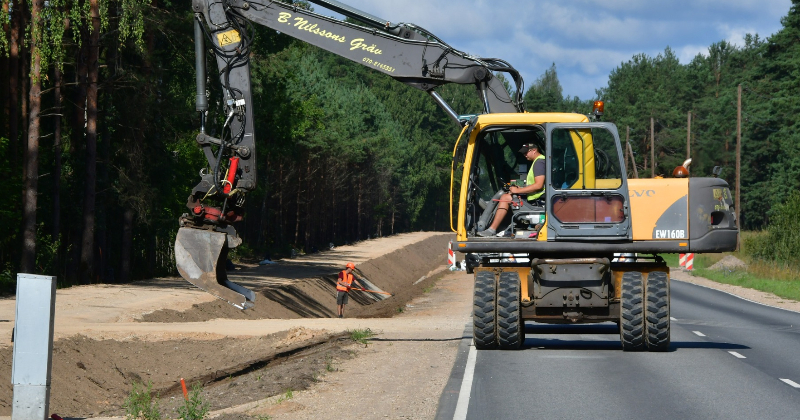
791,383
466,385
737,355
699,333
737,296
672,319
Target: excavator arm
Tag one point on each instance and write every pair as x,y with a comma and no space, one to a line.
404,51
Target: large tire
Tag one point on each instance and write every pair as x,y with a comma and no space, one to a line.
484,302
510,328
631,322
656,296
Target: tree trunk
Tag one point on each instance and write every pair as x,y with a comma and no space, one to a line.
127,246
15,40
279,231
309,196
90,177
4,73
358,206
297,209
81,67
57,157
32,163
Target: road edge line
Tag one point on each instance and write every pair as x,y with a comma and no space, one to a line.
451,392
466,385
737,296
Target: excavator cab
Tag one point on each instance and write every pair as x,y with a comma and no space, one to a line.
587,189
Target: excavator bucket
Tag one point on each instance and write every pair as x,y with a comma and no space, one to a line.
201,256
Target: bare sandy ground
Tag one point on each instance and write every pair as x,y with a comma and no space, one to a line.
111,311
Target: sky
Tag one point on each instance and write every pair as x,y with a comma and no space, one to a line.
585,39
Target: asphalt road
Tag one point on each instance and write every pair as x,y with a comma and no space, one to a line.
729,359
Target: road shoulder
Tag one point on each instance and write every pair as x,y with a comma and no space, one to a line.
758,296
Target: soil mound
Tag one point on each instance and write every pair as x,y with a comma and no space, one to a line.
729,263
93,377
307,288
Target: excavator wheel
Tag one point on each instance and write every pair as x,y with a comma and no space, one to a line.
631,323
201,256
483,311
656,296
510,328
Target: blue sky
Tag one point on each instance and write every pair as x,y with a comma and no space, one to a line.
585,39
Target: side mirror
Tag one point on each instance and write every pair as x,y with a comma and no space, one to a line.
716,171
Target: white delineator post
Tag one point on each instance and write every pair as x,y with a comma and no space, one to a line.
33,346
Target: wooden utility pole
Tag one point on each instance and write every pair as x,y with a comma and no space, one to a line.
652,148
627,143
633,162
738,157
689,135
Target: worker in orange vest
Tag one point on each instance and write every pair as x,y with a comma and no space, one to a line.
343,285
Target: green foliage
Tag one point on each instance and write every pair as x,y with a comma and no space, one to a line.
47,252
4,47
141,404
782,241
344,152
195,408
672,260
361,335
8,279
787,289
288,395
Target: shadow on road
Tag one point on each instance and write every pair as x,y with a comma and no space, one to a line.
421,339
556,337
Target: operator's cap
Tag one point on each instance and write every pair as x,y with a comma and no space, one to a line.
526,147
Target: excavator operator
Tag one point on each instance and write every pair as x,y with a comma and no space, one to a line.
534,187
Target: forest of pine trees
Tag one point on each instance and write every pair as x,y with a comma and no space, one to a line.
97,150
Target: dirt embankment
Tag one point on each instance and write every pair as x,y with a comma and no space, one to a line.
309,290
93,376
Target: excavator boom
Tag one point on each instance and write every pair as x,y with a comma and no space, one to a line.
404,51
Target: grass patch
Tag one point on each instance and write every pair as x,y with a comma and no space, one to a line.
288,395
141,403
782,280
329,364
195,408
361,336
672,260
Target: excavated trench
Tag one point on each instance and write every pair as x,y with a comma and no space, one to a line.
93,377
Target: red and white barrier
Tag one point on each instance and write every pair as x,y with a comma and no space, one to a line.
687,261
451,257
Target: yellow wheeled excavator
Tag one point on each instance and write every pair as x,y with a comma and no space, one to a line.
589,252
553,261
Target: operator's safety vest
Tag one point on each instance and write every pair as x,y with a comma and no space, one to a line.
343,284
530,180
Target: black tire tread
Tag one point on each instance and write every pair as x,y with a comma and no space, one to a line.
510,328
657,322
631,326
484,322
